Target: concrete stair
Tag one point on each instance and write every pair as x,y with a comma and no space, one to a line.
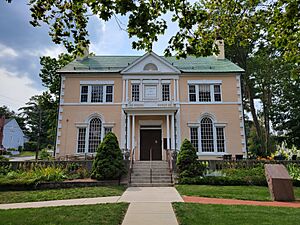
161,176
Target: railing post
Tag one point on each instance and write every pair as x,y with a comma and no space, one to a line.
150,165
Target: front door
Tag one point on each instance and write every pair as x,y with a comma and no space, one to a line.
150,139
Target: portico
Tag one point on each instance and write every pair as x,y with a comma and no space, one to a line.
155,131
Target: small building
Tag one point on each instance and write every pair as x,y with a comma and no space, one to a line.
13,136
152,103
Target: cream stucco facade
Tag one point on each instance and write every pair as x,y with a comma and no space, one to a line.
150,103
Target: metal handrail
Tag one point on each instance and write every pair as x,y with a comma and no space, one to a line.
170,164
150,165
132,155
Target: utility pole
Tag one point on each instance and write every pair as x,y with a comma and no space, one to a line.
39,134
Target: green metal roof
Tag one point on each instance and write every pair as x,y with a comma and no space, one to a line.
118,63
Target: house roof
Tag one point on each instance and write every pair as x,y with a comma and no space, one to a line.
104,64
8,120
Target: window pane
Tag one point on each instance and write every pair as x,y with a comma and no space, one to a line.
84,94
166,92
94,134
207,137
97,93
194,137
135,92
109,93
217,93
81,140
204,93
192,93
220,139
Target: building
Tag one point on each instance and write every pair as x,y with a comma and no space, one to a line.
13,136
152,102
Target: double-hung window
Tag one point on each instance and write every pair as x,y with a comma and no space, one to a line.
135,92
210,139
96,93
205,92
166,92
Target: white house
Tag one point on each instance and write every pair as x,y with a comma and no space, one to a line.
13,136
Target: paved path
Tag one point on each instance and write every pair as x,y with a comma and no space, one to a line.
221,201
150,205
80,201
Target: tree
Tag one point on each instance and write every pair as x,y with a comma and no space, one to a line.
5,111
108,163
49,75
187,161
38,114
200,22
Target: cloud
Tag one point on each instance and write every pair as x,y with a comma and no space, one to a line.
7,51
52,51
15,90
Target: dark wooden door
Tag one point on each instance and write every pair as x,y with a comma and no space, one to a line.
150,139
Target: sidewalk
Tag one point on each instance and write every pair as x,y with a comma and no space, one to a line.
79,201
150,205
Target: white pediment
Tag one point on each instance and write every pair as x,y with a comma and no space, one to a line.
150,63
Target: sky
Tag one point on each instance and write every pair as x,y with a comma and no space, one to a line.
22,45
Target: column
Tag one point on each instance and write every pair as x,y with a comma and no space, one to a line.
172,132
174,91
133,132
168,132
177,88
126,90
128,131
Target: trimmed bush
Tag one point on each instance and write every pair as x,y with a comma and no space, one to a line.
108,163
187,163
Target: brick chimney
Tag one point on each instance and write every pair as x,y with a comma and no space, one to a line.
220,43
2,122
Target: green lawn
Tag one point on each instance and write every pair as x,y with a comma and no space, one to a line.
59,194
197,214
26,153
104,214
232,192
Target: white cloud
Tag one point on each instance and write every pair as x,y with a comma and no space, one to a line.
52,51
15,90
6,51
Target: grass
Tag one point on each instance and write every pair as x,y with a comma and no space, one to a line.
59,194
232,192
26,153
104,214
198,214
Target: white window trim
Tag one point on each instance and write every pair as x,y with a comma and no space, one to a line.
89,97
212,94
95,82
215,125
204,82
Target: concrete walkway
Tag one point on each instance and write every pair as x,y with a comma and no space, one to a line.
79,201
150,205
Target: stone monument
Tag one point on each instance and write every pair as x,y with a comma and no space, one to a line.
279,182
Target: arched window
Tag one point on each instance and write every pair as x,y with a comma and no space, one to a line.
95,128
207,135
150,67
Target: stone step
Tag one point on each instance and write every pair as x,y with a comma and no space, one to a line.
136,174
147,179
151,185
147,176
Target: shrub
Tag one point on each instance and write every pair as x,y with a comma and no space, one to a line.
20,148
108,163
187,163
44,155
30,146
294,171
2,158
